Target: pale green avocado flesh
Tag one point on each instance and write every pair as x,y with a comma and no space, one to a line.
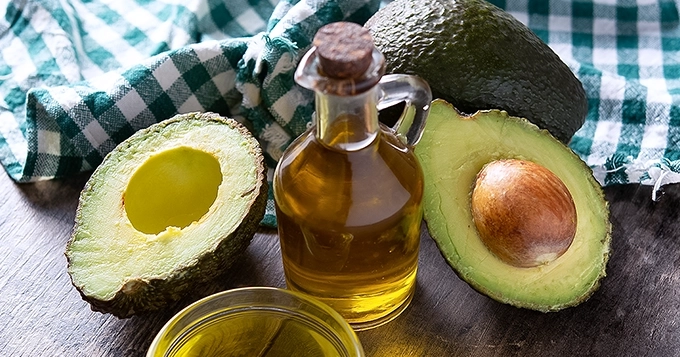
453,149
171,207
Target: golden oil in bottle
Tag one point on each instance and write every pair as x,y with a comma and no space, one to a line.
348,191
349,224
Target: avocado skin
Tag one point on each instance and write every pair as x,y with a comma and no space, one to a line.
142,296
476,56
491,135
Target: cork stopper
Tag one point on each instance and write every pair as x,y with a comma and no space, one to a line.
344,50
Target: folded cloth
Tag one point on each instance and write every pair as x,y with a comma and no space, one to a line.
79,77
627,55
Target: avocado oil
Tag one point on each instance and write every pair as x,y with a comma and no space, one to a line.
348,191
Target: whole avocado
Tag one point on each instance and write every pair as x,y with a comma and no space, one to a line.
477,56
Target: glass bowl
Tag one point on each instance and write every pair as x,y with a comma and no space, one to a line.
256,321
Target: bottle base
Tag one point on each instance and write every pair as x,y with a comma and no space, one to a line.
365,312
368,325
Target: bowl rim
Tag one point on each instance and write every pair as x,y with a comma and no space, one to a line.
354,350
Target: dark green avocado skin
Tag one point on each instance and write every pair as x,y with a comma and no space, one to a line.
477,56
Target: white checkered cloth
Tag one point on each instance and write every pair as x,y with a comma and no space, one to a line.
79,77
627,55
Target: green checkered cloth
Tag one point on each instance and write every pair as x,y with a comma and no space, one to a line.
79,77
627,55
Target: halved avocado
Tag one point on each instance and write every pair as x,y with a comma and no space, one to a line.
168,209
453,150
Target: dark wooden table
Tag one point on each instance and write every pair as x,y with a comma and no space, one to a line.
636,312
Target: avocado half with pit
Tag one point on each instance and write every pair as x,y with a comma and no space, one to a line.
515,213
168,209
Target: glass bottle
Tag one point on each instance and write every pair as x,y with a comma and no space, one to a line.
348,191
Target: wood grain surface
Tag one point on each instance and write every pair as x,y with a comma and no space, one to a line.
636,311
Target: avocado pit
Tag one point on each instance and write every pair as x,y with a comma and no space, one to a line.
525,215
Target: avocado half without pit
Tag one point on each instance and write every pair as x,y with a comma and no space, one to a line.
170,208
514,212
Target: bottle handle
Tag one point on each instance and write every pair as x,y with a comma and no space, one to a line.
416,94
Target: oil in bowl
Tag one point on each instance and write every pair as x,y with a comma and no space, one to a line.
256,321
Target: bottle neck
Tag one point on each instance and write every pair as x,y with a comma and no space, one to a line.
346,107
349,122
